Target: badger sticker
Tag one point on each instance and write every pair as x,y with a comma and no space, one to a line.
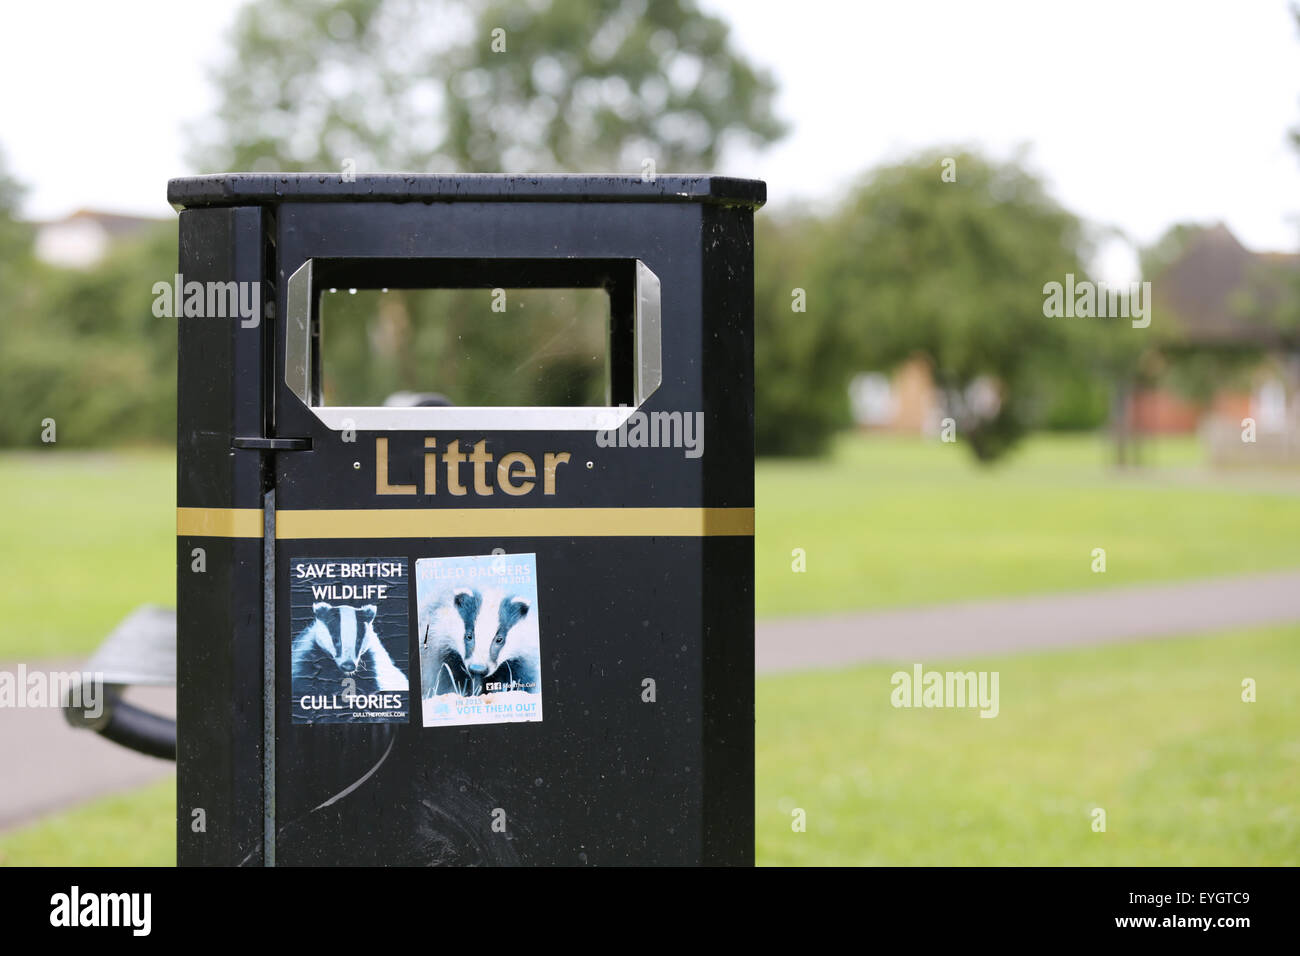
349,618
478,634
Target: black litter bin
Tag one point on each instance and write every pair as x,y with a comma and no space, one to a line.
436,633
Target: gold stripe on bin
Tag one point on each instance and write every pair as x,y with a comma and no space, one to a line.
469,523
219,522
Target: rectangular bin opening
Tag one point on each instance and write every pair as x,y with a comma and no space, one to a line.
473,333
475,347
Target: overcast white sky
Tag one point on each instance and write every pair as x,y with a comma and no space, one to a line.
1139,113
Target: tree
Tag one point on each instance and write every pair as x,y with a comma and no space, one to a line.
954,270
453,85
15,236
802,354
84,348
17,295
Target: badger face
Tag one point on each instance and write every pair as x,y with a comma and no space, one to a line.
344,632
486,631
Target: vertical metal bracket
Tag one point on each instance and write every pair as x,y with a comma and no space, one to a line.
268,678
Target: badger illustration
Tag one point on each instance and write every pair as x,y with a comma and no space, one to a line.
475,641
341,643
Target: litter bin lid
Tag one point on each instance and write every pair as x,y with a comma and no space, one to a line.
243,189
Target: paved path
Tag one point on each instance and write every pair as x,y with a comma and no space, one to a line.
45,765
1013,624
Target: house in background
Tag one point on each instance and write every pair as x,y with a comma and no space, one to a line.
82,239
1220,298
1216,297
903,401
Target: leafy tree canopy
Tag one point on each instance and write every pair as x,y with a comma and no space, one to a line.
455,85
953,269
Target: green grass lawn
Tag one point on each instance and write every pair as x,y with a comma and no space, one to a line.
893,521
884,521
133,829
1154,733
84,539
